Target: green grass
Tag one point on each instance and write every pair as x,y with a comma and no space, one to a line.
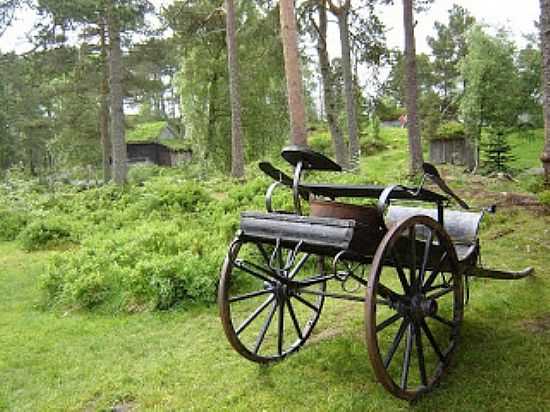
176,144
180,359
527,146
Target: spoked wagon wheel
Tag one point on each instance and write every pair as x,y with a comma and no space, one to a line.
414,307
264,318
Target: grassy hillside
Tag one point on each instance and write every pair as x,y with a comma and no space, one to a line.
109,307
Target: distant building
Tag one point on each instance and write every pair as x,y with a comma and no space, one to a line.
157,143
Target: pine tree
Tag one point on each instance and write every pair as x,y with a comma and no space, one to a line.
498,153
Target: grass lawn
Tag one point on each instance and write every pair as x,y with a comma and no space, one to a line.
180,359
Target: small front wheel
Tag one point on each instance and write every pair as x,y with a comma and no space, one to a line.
264,317
414,307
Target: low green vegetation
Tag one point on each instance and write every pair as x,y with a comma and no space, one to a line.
450,130
145,132
108,300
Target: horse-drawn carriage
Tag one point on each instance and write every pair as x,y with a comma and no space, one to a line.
411,262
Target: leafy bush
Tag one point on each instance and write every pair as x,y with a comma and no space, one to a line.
544,198
11,223
321,142
45,232
388,110
153,266
149,245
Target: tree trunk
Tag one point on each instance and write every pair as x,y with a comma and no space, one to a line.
340,149
120,167
415,144
237,156
104,104
212,114
293,73
545,39
351,110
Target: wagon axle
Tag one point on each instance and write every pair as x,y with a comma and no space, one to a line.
418,307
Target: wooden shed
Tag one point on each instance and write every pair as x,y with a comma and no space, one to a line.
157,143
451,146
156,153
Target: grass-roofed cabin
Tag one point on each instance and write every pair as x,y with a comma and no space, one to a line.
157,142
450,145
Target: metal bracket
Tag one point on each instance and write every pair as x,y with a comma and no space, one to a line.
269,196
296,187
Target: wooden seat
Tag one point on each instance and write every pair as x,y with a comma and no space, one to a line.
462,227
310,159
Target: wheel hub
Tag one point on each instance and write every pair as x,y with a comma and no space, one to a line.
281,292
419,307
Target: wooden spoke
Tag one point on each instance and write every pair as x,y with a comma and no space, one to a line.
299,266
263,252
294,319
425,259
412,252
449,323
395,344
390,321
305,302
407,358
387,293
254,315
240,264
432,340
420,355
280,336
400,273
437,287
440,294
436,270
280,258
263,330
250,295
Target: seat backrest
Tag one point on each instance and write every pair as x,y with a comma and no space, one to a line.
462,227
310,159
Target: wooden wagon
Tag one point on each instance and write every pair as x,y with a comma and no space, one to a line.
411,262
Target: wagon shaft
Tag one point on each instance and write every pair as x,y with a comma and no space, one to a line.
480,272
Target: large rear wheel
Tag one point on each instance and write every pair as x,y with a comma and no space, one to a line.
414,307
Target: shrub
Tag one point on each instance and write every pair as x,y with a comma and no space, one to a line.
388,110
45,232
152,266
321,142
11,223
544,198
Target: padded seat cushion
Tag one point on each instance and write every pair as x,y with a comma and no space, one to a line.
462,227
